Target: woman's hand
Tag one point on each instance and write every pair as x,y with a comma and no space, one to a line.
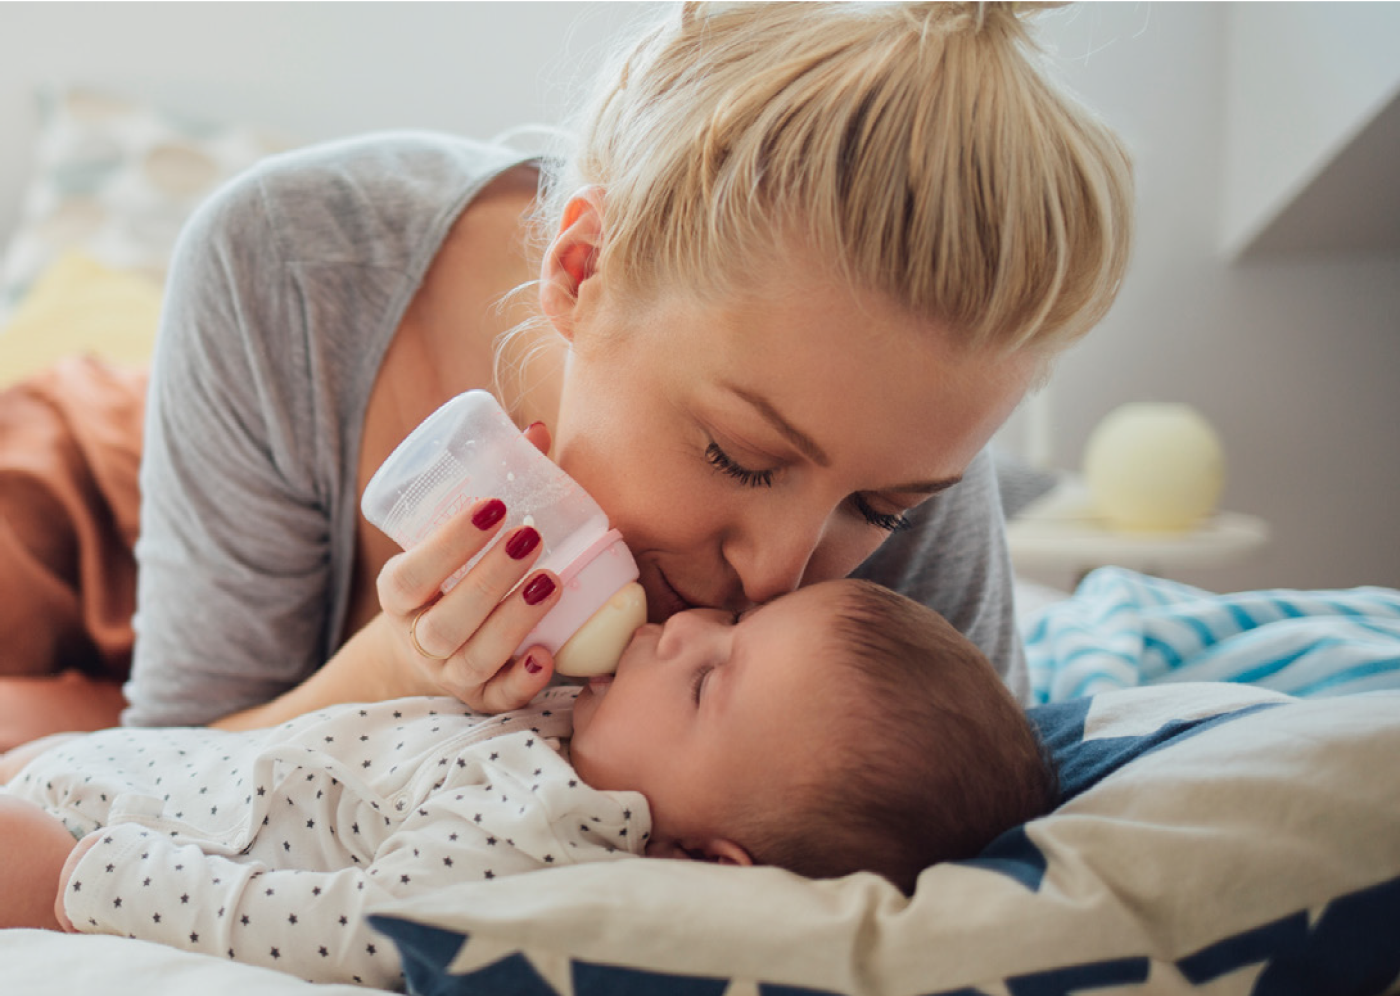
461,643
426,643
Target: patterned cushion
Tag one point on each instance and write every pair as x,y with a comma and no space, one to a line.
1213,838
116,179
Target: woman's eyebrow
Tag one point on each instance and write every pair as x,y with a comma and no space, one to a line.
773,417
815,453
928,487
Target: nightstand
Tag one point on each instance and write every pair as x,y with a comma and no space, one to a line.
1060,532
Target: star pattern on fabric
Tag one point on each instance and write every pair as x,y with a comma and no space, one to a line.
433,810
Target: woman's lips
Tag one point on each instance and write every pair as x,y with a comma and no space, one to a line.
664,600
668,600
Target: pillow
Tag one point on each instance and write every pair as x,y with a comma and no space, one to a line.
116,179
80,306
1213,838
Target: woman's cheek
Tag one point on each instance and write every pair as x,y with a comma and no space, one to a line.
841,551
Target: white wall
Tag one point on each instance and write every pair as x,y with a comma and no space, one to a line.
1295,360
309,70
1290,114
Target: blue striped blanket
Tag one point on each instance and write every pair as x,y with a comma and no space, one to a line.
1122,629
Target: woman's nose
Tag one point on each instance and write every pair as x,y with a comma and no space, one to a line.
771,556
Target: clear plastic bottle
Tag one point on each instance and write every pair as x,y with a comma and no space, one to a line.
469,449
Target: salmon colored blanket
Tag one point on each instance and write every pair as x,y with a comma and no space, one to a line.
70,446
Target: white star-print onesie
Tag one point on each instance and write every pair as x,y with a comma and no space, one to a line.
269,846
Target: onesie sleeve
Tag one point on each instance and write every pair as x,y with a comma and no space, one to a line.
955,560
136,882
530,811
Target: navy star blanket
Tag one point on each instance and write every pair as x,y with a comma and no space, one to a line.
1213,837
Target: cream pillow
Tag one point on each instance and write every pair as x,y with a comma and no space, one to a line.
80,306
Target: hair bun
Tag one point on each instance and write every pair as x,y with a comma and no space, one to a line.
976,17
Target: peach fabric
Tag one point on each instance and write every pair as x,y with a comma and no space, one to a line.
70,446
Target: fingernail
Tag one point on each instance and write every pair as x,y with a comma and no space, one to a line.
489,514
533,425
538,589
522,541
532,666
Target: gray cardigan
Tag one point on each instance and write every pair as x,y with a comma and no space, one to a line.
285,290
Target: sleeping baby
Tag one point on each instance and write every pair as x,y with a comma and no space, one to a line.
840,728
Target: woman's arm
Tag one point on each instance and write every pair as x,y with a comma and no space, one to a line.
284,289
462,638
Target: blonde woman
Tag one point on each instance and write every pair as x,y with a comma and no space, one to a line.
801,262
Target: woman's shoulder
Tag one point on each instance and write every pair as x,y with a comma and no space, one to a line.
377,194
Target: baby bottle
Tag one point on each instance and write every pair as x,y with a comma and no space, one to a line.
469,449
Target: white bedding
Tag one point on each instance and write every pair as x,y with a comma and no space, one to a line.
1214,838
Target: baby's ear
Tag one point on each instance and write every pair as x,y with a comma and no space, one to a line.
715,850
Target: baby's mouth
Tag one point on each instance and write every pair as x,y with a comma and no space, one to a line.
599,684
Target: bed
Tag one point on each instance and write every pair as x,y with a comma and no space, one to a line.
1231,811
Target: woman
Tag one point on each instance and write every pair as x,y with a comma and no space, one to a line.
803,261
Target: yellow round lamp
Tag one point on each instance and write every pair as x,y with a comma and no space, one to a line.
1154,467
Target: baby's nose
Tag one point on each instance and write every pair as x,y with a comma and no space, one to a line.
684,630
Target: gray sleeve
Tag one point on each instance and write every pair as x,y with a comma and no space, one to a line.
233,551
955,560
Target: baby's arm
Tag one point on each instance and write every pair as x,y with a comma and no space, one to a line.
33,849
312,924
138,882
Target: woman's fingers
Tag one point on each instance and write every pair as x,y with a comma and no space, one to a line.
415,577
514,685
490,645
464,640
538,434
459,613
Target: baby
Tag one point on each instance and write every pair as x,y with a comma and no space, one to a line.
837,729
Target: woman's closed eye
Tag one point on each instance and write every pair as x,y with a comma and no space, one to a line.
890,522
726,464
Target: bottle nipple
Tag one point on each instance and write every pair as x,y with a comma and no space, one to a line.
598,644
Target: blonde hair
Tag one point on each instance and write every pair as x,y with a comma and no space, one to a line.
918,147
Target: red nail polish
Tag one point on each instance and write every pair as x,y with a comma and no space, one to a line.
532,425
489,514
532,666
522,541
538,589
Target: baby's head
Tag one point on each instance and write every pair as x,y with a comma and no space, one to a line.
840,728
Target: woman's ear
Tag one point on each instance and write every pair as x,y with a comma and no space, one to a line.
571,259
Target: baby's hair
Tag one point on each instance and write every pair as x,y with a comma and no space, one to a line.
936,761
920,150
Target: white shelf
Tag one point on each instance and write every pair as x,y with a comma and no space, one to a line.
1062,532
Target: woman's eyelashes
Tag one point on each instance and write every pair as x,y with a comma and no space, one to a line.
725,464
888,521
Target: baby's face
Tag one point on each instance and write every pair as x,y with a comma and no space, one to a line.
709,713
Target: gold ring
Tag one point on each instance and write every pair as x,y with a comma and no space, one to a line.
413,638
